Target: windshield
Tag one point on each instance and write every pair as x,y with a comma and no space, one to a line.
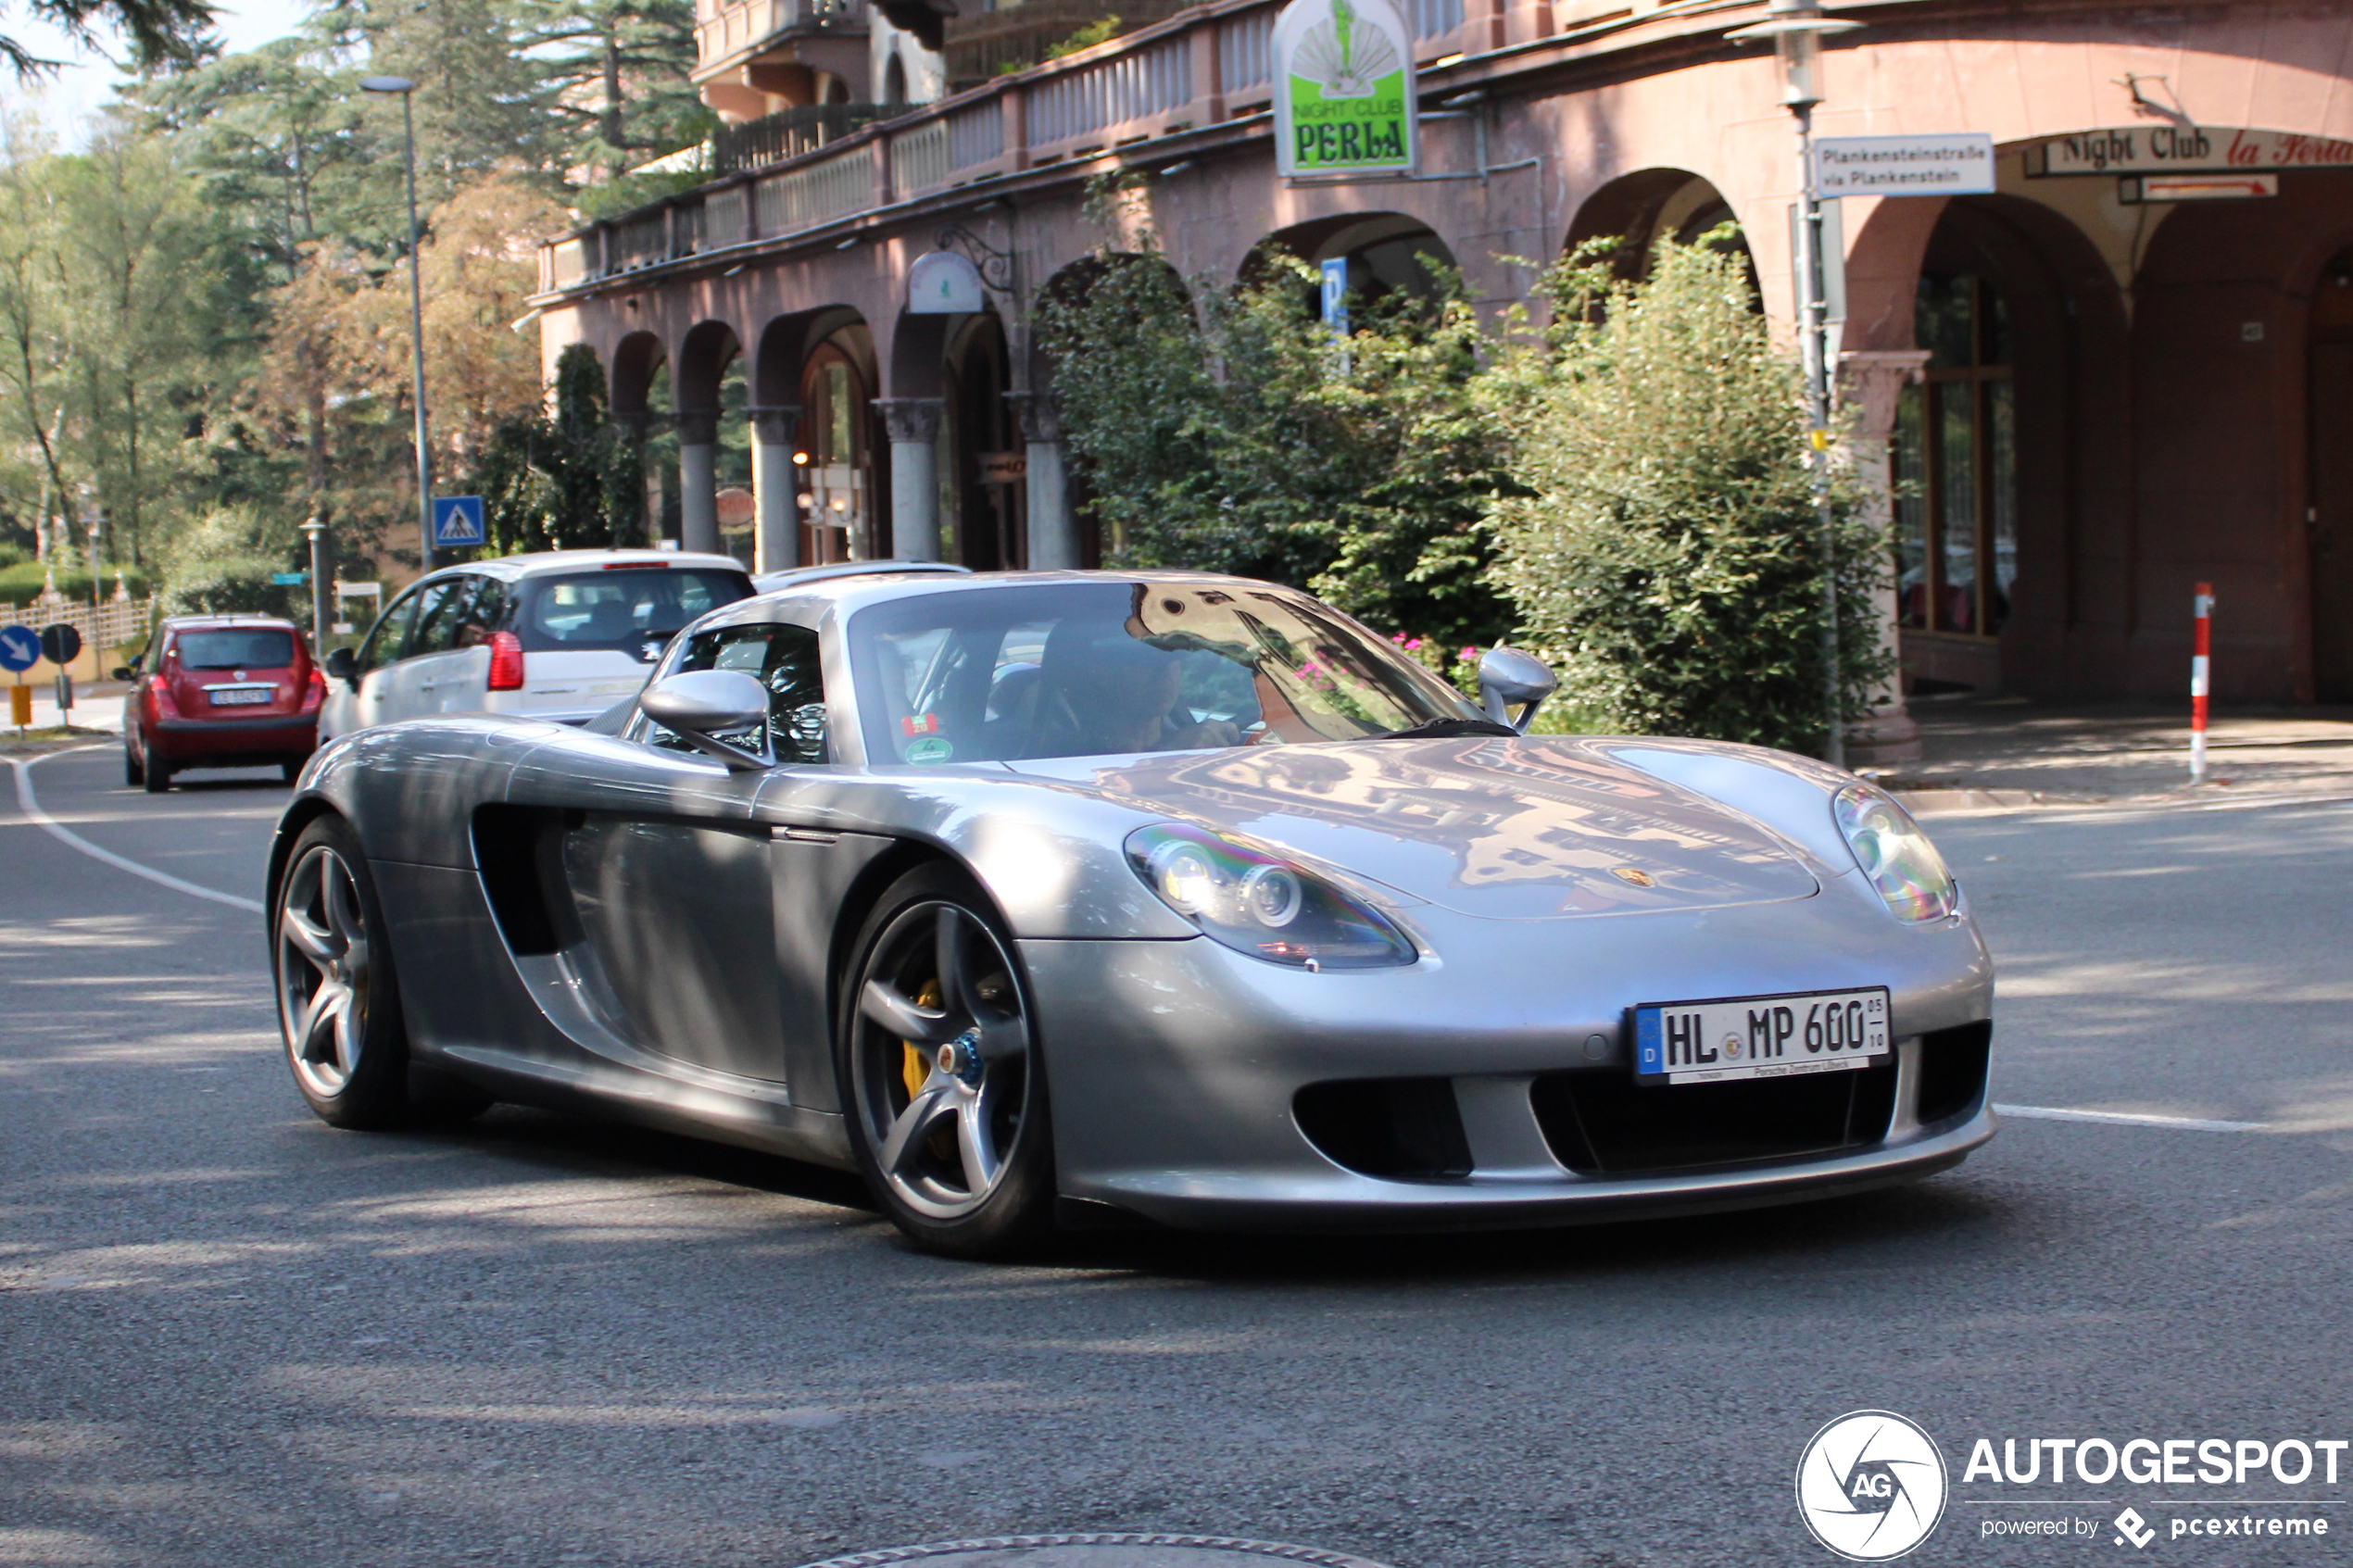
622,608
262,649
1108,669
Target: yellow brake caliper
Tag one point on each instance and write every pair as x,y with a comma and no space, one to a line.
914,1064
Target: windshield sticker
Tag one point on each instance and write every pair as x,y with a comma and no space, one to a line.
931,748
921,724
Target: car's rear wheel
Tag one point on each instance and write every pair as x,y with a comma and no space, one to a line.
154,775
941,1072
290,771
338,1002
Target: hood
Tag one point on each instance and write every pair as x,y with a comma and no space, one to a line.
1533,828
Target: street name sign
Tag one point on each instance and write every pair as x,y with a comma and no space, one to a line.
1958,163
456,520
1344,98
288,579
19,650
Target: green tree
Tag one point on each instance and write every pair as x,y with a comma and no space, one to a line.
616,77
1664,551
160,32
1241,437
567,482
130,241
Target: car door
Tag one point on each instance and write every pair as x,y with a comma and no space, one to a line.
404,691
670,876
440,660
359,702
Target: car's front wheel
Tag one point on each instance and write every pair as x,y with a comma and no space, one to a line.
941,1072
133,773
338,1004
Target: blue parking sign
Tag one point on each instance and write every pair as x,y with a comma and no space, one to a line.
20,648
456,520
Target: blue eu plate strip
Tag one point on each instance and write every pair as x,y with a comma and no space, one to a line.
1649,1057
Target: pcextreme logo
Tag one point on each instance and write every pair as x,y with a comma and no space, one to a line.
1871,1485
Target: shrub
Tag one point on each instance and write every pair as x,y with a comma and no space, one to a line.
568,482
1241,438
1665,553
223,562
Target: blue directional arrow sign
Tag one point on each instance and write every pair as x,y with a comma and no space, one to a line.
456,520
20,648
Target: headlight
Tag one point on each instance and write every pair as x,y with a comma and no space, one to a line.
1258,903
1894,854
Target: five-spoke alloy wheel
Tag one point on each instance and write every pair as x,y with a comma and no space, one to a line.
338,1011
947,1094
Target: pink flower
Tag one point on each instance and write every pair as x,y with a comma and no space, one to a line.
1470,655
1412,645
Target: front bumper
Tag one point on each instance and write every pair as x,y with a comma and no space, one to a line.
1175,1066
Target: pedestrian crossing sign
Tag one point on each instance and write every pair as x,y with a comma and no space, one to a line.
456,520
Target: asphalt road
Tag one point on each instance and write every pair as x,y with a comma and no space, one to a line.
230,1336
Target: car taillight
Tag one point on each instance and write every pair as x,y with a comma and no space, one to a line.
316,692
159,700
505,662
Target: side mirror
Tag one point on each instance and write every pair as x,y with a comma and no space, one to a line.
123,672
343,665
702,705
1508,678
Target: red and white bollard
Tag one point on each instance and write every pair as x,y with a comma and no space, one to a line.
2202,607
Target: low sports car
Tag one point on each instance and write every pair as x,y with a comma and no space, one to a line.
1069,899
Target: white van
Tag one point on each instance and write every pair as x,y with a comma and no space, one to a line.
564,635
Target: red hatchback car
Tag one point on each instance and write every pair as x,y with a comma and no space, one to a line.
220,691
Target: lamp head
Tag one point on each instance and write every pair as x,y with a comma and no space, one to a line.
386,84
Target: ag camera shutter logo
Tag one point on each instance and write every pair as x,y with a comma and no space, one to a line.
1871,1485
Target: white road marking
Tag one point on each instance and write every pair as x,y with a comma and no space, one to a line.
2126,1119
30,804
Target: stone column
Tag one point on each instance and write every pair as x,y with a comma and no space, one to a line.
1053,533
698,480
914,424
777,534
1870,381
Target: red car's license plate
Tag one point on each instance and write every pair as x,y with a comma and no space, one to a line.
237,696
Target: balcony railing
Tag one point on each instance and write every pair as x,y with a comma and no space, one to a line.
723,32
782,176
787,134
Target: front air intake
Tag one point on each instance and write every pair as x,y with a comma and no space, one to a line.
1405,1129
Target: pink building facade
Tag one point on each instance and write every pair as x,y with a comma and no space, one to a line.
2089,391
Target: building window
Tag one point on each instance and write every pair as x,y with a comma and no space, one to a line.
1957,465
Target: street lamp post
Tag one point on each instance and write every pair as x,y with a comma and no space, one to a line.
1796,27
406,88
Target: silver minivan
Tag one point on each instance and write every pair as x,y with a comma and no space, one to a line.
564,635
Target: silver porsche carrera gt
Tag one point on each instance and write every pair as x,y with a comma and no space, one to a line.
1098,899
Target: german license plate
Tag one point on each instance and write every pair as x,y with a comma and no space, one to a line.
1734,1037
239,696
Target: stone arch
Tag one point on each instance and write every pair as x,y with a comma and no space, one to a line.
635,360
704,354
1638,211
1386,252
2023,421
839,446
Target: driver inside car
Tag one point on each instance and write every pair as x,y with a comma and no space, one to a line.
1121,695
